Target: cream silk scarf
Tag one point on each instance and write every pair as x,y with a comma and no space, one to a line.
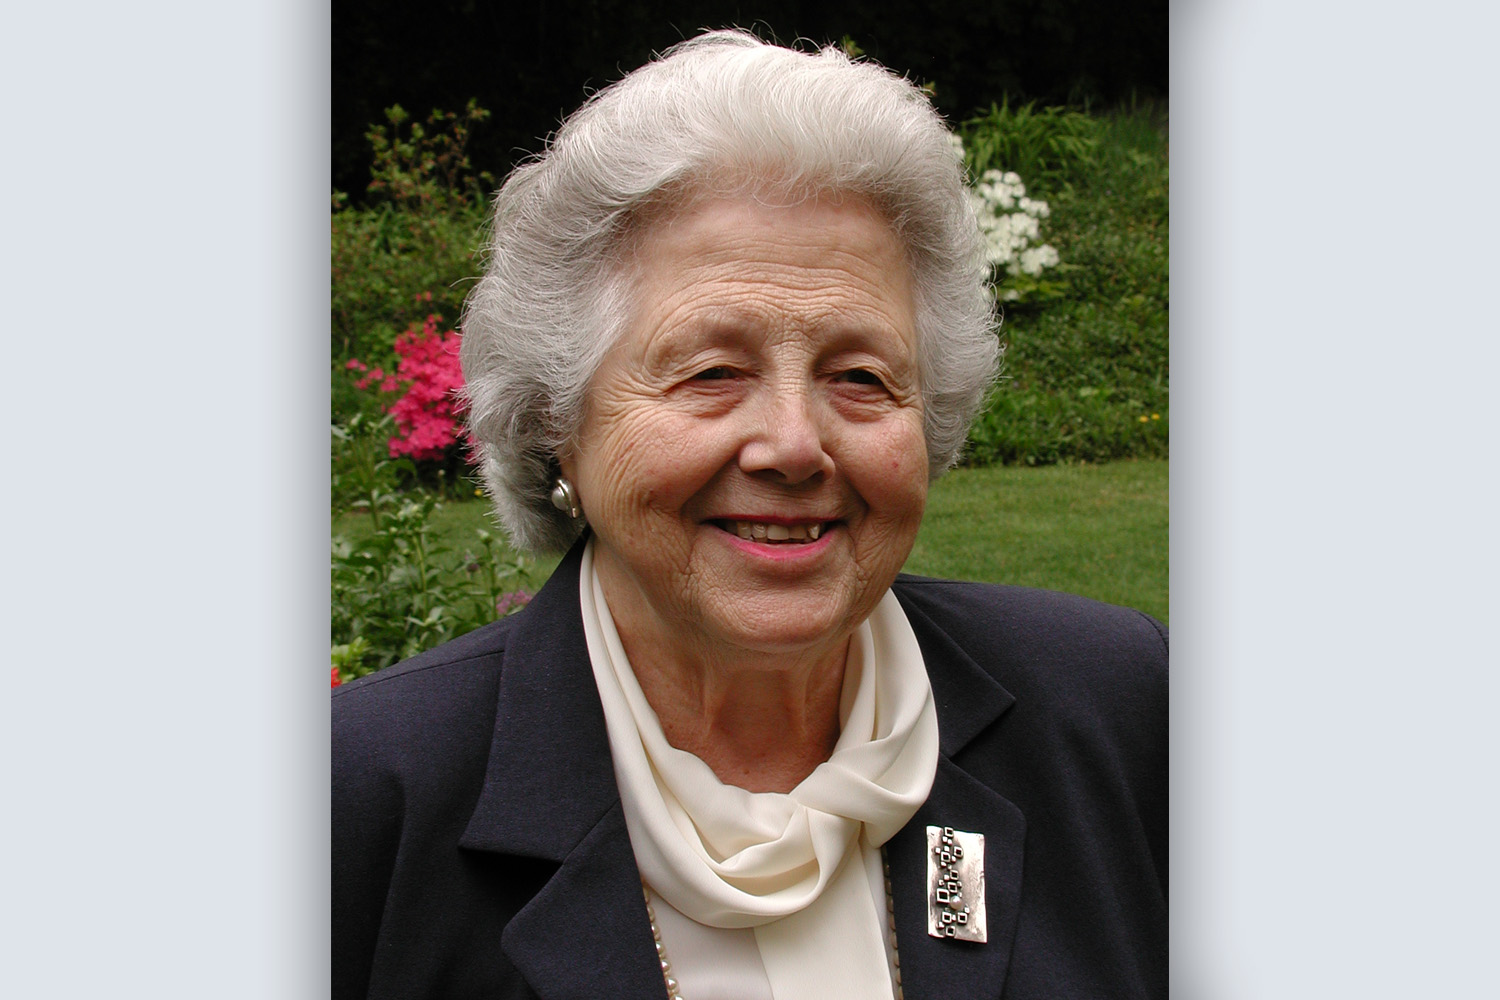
775,862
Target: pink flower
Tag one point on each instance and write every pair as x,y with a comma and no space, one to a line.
427,414
512,601
427,384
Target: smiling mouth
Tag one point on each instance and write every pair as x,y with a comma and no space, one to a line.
775,534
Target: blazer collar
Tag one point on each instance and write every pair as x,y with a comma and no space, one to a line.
969,700
939,967
549,792
549,779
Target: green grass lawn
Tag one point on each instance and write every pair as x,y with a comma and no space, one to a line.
1096,530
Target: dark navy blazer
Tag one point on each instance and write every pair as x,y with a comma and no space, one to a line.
480,850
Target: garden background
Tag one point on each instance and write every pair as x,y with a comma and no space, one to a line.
1063,111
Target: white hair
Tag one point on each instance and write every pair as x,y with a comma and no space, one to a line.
720,114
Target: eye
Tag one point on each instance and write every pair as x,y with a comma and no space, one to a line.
715,373
860,376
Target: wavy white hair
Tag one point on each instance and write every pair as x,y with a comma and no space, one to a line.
720,114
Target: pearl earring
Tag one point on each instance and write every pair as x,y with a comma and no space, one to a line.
565,498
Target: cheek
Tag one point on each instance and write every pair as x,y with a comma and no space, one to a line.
913,499
906,471
648,463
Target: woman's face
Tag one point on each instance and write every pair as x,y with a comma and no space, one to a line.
752,461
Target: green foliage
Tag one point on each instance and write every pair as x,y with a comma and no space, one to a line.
410,250
452,525
1091,425
384,260
1052,148
396,590
1086,365
429,165
365,478
401,583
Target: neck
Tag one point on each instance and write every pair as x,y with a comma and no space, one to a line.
763,726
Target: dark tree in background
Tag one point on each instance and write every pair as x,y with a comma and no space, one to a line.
532,63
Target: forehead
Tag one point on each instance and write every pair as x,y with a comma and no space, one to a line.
812,268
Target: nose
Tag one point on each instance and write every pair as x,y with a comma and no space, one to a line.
788,438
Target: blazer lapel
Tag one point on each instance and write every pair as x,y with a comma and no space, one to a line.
549,793
940,967
586,934
968,701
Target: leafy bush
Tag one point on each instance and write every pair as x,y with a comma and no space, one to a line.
384,260
409,250
428,167
396,588
364,476
1053,148
1086,366
1087,383
397,592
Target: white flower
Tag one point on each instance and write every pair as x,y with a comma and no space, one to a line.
1037,259
1035,209
1009,223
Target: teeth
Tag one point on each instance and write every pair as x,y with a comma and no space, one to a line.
760,531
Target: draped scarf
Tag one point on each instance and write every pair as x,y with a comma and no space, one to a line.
786,864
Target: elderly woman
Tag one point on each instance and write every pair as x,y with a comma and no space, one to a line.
734,323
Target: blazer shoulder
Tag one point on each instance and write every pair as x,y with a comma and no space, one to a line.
409,747
1028,612
439,679
1030,638
415,725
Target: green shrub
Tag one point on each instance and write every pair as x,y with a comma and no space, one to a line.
397,591
397,586
386,262
428,167
1044,428
1086,367
364,476
1052,148
409,249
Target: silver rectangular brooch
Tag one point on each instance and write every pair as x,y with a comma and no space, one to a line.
955,884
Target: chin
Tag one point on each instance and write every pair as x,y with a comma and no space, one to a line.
787,624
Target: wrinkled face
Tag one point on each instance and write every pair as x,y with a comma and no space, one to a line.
752,462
